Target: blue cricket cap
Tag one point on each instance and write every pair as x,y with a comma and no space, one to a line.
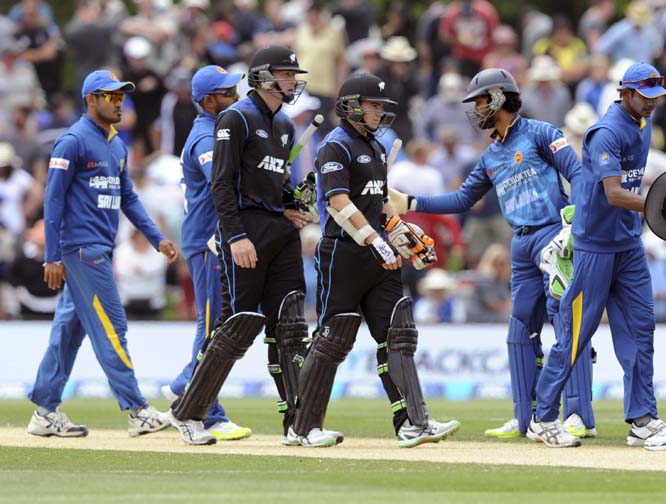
104,80
210,78
645,79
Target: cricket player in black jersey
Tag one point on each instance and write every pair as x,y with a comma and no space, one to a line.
358,265
258,242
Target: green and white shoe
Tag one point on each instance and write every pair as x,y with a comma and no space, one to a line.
574,425
507,431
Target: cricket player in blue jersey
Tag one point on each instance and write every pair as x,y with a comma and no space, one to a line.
88,185
213,89
524,164
610,267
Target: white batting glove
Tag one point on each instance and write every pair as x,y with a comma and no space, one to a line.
382,251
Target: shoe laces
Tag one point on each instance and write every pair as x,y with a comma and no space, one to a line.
59,419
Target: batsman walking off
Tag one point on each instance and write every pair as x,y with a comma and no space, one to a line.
258,242
610,266
357,268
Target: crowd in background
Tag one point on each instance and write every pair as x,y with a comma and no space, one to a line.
567,69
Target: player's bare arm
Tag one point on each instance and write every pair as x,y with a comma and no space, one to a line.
358,220
620,197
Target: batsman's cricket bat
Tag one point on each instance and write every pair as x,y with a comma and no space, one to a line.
395,148
300,143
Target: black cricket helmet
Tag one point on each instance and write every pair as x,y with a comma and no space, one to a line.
273,58
363,87
494,83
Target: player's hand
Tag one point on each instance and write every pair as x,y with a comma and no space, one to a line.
411,242
402,203
244,253
296,217
385,254
305,194
54,274
168,249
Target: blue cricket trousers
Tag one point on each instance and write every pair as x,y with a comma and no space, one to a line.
619,282
90,304
531,303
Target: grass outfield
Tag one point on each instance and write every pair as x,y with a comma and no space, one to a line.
82,476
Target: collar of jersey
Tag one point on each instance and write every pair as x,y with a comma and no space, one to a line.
112,132
261,104
207,115
351,131
501,137
640,123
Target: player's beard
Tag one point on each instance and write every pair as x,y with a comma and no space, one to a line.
111,118
488,122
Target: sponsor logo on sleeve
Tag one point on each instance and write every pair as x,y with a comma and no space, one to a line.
262,133
331,166
364,159
206,157
559,144
223,134
58,163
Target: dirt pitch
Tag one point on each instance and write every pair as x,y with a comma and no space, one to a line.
450,451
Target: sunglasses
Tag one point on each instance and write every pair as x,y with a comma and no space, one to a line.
112,97
229,92
649,82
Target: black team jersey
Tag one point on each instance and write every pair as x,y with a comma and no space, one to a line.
348,162
250,154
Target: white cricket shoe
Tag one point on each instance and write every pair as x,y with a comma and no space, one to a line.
192,431
146,420
552,434
168,394
657,442
316,438
574,425
413,435
638,436
55,423
509,430
228,431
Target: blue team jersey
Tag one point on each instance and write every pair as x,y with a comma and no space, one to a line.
616,146
524,167
88,184
197,162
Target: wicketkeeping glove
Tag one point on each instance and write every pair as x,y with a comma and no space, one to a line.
305,195
411,242
401,203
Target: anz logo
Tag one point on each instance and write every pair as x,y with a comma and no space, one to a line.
273,164
373,187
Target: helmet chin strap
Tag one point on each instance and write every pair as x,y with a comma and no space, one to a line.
285,97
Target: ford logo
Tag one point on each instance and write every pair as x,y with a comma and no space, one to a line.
364,159
262,133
